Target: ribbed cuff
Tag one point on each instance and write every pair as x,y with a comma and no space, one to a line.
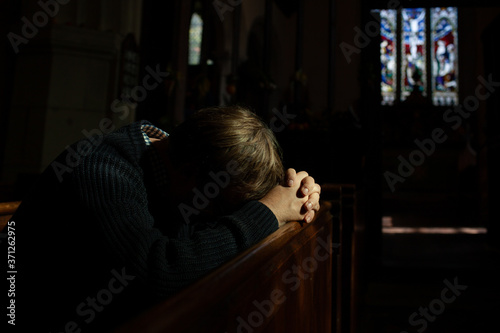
259,220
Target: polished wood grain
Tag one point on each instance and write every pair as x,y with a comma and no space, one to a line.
343,199
282,284
7,209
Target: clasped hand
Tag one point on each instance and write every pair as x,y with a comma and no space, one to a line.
295,200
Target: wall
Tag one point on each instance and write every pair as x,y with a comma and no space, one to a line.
65,78
315,50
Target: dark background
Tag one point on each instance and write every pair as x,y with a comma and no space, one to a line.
273,56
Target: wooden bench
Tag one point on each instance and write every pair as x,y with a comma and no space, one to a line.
285,283
7,209
343,199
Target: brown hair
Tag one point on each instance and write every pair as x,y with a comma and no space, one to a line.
217,137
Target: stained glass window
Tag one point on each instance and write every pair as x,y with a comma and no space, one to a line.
444,56
388,55
411,63
195,36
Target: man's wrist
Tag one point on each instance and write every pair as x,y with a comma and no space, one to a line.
273,209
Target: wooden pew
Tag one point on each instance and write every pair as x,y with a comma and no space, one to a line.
282,284
343,199
7,209
236,295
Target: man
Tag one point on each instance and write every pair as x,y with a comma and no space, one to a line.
144,214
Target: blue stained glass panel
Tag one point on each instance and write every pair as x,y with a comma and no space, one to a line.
413,51
388,55
444,55
195,37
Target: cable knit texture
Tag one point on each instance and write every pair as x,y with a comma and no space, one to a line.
83,225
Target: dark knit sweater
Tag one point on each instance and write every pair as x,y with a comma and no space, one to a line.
89,249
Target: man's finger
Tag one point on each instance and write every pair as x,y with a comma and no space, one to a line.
308,185
309,216
313,202
299,178
290,177
316,189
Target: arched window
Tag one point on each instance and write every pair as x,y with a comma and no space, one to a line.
418,47
444,55
195,37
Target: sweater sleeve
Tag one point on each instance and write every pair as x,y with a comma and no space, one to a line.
114,193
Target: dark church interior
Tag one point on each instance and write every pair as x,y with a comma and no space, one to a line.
419,149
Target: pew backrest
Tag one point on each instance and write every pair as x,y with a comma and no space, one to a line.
282,284
343,198
7,209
